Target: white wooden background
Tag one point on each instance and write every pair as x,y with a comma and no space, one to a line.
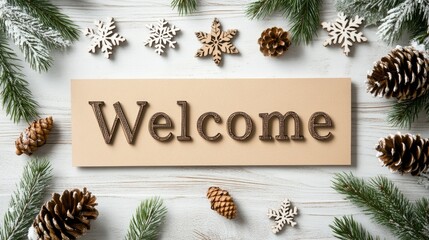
255,189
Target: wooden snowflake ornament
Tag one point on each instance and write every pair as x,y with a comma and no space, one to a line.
161,35
216,42
344,31
104,37
283,216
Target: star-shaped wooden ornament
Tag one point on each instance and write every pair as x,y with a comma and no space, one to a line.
216,42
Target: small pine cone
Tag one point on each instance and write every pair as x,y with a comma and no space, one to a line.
402,74
404,153
66,216
34,136
222,202
274,42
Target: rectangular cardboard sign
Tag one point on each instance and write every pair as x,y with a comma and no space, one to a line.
202,122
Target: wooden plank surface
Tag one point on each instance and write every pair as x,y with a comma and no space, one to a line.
119,190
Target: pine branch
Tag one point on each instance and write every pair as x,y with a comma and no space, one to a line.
404,113
16,97
346,228
184,7
147,220
407,14
387,206
26,200
50,16
372,10
303,15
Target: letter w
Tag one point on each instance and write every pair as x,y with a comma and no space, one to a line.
120,116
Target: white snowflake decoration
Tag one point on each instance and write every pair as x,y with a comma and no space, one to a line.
161,35
344,31
283,216
104,38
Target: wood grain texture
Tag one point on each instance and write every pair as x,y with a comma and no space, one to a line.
255,189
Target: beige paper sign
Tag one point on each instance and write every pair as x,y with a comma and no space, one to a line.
204,122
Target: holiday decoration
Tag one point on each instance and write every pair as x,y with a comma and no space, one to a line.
402,74
285,215
34,136
66,216
404,153
387,206
344,31
104,37
26,199
184,6
409,18
161,35
37,28
274,42
216,42
148,218
222,202
303,16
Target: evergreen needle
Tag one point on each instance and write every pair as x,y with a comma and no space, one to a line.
346,228
26,200
147,220
404,113
184,7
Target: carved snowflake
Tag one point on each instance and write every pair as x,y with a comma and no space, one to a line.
216,42
344,31
283,216
161,35
104,38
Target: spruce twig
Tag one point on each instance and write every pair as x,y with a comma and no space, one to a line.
147,220
303,15
16,96
386,205
346,228
26,200
404,113
184,7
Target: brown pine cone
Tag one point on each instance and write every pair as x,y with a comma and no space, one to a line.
222,202
66,216
404,153
402,74
274,42
34,136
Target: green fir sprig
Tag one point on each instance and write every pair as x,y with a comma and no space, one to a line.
346,228
303,15
404,113
184,7
387,206
147,220
394,17
37,27
26,200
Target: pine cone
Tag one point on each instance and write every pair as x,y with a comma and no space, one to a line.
402,74
274,42
66,216
404,153
222,202
34,136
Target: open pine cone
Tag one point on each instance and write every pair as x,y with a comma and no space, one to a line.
402,74
222,202
404,153
34,136
274,42
66,216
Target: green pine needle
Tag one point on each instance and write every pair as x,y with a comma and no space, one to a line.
184,7
147,220
16,96
404,113
303,15
386,205
49,15
26,200
346,228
